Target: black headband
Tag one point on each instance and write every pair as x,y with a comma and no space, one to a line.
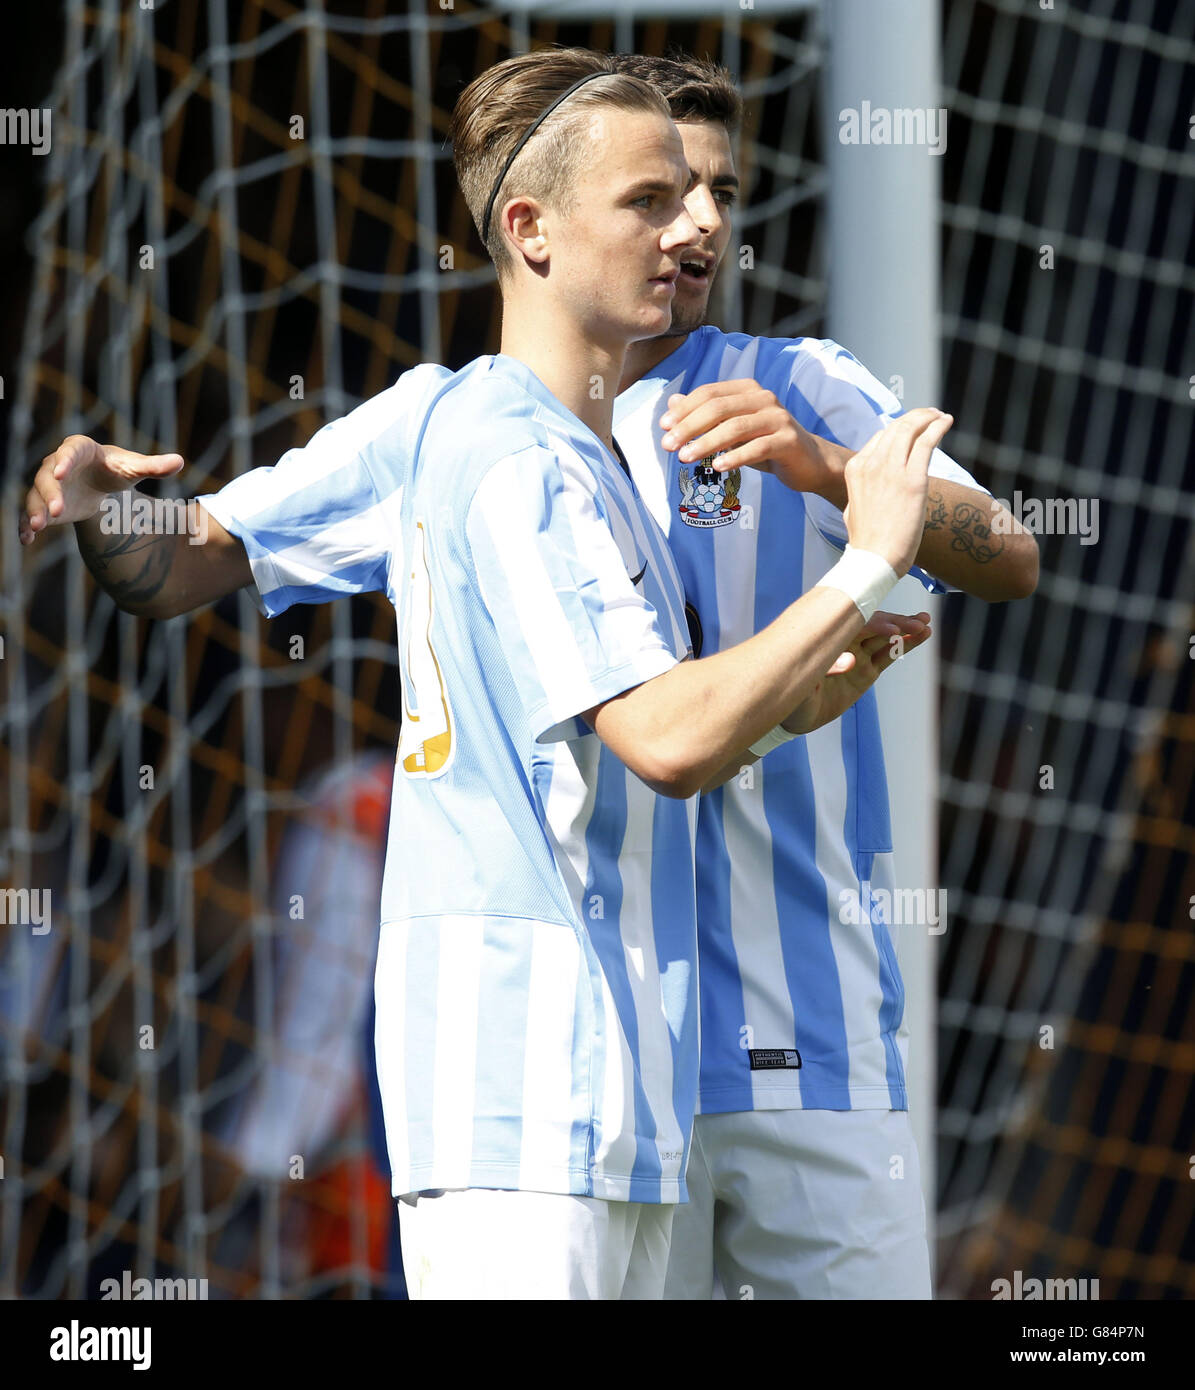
530,131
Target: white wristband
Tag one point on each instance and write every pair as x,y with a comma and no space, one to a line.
772,739
863,576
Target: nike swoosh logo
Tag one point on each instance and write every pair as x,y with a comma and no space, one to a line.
641,573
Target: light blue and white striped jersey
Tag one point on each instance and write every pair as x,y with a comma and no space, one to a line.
537,1007
320,523
798,1009
536,986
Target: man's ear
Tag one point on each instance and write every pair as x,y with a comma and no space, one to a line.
523,227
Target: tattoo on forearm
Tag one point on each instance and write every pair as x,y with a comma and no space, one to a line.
142,565
970,532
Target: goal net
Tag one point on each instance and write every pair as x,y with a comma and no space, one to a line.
1065,1005
249,224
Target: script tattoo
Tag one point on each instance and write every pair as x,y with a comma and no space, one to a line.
142,565
937,512
970,532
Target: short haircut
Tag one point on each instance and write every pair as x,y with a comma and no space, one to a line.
694,88
496,109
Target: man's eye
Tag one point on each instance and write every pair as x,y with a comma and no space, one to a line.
726,197
645,200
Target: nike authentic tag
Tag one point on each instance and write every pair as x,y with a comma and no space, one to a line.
768,1059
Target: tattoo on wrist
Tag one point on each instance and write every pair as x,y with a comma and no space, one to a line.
970,532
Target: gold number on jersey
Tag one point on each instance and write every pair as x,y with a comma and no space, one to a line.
425,742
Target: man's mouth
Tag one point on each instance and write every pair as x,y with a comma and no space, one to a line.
696,270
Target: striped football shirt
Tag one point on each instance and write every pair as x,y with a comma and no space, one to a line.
799,1007
536,988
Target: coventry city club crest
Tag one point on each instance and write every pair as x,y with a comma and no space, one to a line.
709,498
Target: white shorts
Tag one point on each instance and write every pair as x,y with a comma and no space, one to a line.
801,1204
478,1243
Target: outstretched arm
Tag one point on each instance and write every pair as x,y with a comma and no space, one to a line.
154,575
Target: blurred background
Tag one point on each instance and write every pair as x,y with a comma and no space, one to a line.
187,1078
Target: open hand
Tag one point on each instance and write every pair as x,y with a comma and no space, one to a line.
73,481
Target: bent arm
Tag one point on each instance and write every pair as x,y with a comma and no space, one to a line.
681,729
684,731
968,540
854,673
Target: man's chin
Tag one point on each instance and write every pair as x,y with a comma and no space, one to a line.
687,319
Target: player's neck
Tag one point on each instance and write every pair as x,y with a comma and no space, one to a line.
583,376
642,357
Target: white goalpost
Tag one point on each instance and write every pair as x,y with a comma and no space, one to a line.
882,205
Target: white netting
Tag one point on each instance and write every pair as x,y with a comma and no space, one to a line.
1070,130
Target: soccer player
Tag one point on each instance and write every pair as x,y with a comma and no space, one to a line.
540,1074
536,984
803,1102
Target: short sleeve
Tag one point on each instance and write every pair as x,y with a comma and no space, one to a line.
318,524
570,615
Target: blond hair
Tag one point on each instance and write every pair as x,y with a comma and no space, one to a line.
496,110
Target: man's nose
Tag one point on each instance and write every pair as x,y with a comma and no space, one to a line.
702,208
685,231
